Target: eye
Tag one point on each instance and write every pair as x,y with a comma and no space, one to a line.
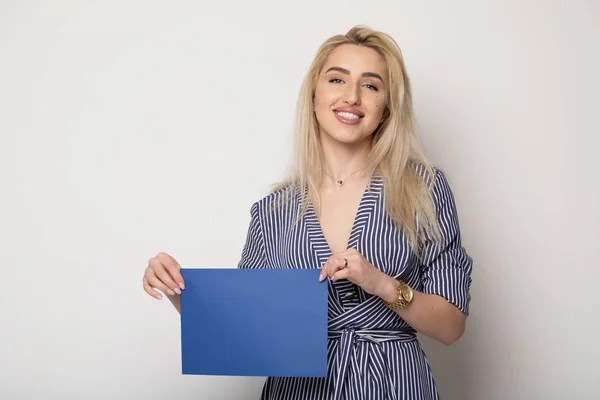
371,87
336,80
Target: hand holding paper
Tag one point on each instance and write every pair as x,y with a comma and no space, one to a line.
163,273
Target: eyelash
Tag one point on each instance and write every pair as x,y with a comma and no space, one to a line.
371,87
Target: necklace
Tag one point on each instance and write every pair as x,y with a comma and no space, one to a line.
340,182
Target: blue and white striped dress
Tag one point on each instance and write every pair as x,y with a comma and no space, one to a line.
372,353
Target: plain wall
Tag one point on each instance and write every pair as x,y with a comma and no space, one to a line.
133,127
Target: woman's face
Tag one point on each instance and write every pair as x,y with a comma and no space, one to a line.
351,94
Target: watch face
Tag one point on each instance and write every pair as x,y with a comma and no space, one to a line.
407,293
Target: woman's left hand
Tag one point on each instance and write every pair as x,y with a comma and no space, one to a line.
351,265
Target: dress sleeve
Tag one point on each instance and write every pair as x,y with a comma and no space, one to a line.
446,267
253,253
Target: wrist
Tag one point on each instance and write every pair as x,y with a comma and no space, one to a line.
388,289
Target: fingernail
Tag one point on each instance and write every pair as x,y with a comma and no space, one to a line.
321,277
171,292
182,286
177,290
158,297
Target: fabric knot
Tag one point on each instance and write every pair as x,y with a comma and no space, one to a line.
348,336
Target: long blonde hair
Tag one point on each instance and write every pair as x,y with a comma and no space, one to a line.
396,153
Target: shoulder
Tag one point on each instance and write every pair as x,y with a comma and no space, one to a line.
441,189
442,197
277,201
432,176
436,184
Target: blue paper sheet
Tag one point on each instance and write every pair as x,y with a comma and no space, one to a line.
254,322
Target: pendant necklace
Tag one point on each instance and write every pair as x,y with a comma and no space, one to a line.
340,182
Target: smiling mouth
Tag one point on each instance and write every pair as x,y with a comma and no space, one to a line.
349,116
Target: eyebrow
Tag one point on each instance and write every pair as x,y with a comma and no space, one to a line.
364,74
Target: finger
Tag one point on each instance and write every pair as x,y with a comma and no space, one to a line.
173,268
161,272
165,279
155,282
343,273
150,290
323,273
325,269
350,254
334,265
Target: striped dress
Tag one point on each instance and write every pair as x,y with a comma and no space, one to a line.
372,353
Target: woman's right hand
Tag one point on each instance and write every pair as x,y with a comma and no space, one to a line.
162,273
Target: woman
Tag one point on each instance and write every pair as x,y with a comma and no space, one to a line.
365,206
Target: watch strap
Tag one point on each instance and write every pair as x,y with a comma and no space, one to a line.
400,302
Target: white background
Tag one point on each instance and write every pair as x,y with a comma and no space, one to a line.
133,127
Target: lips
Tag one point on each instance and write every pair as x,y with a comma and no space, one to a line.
349,116
349,110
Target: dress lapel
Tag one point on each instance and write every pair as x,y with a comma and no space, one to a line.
361,220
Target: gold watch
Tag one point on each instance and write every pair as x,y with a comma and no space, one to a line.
405,296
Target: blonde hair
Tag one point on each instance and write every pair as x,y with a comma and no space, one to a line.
396,153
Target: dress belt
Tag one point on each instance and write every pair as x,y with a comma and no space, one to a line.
349,336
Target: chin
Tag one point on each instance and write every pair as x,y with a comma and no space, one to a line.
349,138
345,134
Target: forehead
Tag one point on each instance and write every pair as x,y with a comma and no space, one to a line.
357,59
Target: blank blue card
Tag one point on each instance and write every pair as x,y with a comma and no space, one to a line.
254,322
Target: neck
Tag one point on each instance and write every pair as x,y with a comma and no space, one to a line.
342,160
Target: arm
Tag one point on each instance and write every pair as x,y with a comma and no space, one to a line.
441,308
430,314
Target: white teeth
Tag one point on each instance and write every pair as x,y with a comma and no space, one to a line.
348,115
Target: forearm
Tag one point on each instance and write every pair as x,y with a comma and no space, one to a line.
429,314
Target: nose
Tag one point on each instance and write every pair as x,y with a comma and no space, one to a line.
352,95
